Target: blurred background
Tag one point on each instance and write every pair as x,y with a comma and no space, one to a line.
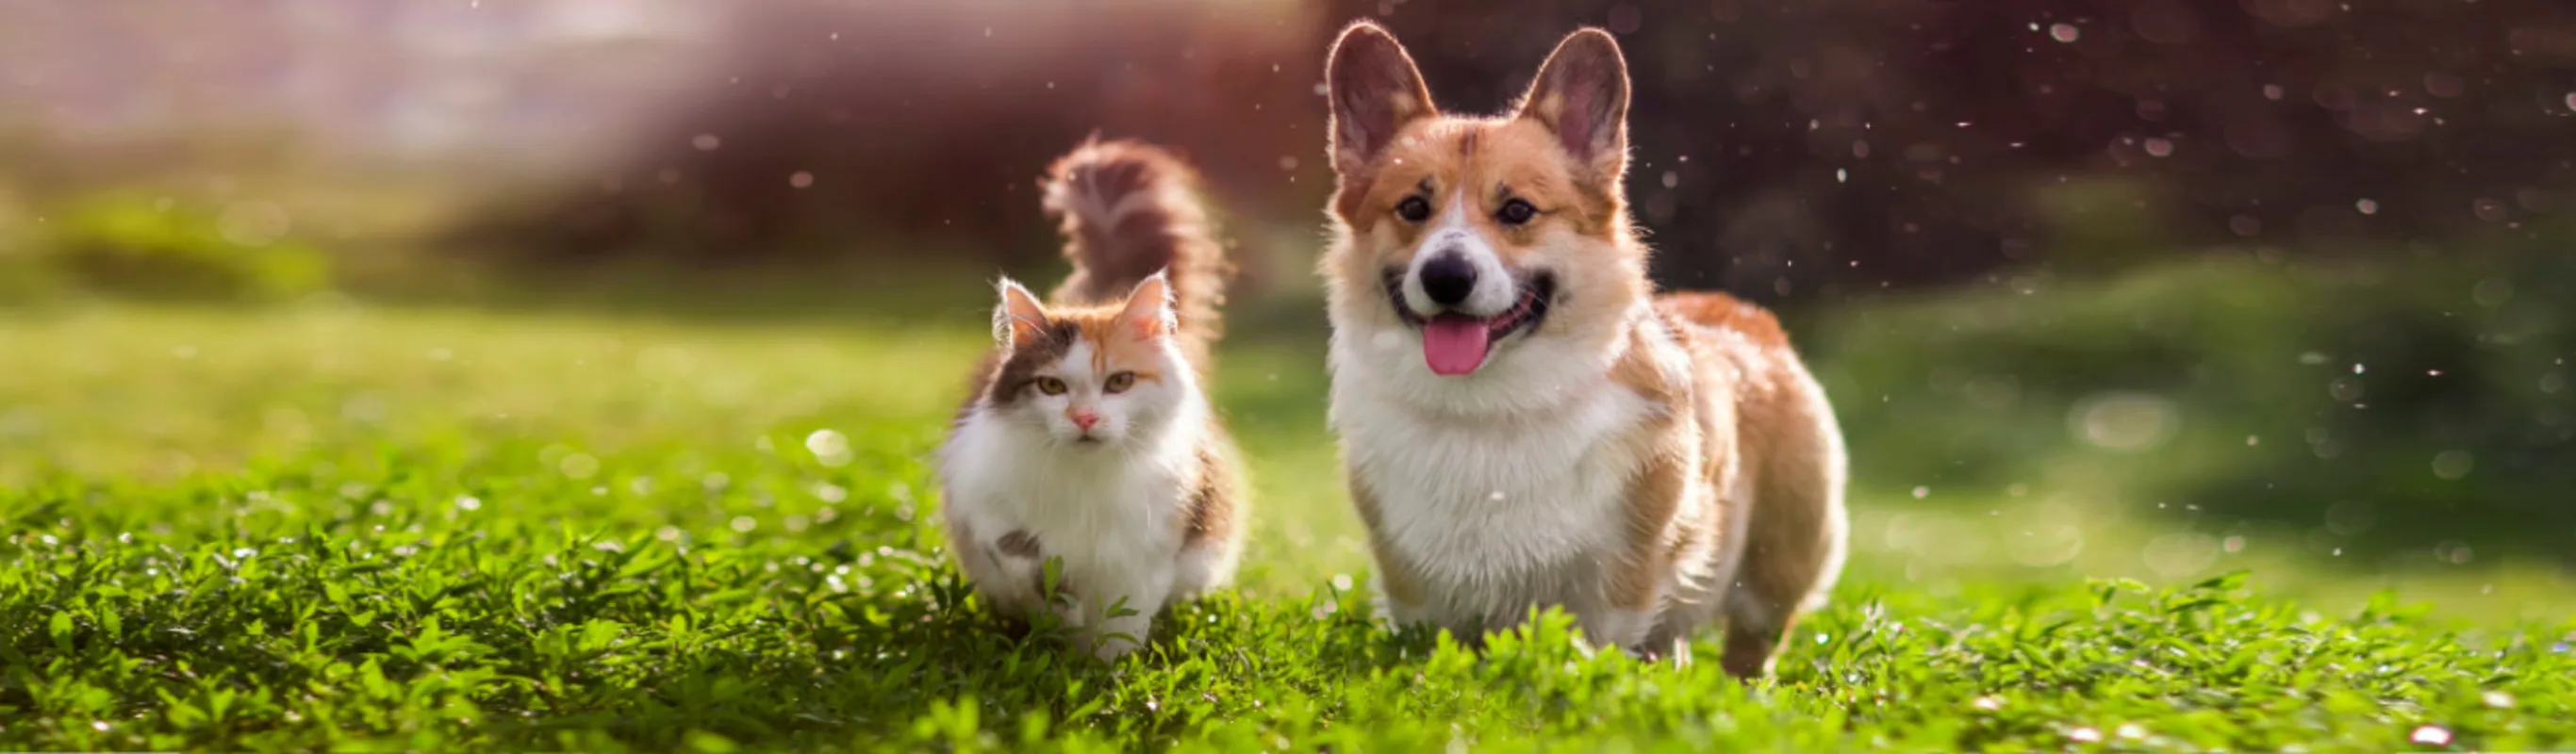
2150,288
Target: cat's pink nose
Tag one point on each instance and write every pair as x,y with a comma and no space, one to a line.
1084,419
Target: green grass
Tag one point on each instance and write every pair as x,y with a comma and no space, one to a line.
421,528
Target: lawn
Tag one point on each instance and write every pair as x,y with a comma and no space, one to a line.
354,526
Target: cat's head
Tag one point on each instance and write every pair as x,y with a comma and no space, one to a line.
1096,376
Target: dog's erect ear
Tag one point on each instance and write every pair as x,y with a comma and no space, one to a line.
1375,91
1020,320
1581,94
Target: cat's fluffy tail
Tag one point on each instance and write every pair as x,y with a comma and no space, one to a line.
1130,209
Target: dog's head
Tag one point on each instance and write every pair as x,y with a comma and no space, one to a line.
1477,233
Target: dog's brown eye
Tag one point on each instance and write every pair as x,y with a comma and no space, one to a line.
1516,212
1118,383
1413,209
1051,386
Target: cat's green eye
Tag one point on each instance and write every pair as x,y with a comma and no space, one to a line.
1120,382
1051,386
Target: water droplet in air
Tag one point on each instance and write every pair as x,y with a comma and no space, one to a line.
801,179
2181,554
2160,147
578,466
2366,206
2453,464
1989,703
469,502
2124,421
2065,33
828,446
2085,735
2492,292
1922,492
2496,699
2431,735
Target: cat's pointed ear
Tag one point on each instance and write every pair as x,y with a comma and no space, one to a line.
1148,312
1581,94
1020,320
1374,90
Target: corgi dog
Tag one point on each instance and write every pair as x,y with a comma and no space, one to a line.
1523,421
1089,438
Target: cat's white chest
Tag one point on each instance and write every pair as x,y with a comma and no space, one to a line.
1107,515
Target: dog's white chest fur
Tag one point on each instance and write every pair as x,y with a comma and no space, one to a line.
1494,511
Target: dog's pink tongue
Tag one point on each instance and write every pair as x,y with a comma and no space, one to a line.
1453,345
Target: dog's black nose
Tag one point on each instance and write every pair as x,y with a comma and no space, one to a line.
1447,278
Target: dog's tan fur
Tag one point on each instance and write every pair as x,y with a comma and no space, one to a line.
1734,464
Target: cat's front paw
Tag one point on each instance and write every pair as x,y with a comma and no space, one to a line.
1019,543
1109,649
1677,650
1119,636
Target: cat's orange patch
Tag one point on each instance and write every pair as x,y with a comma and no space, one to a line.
1118,344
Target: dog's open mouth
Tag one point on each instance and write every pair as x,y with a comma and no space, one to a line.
1455,344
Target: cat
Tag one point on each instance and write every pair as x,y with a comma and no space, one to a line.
1089,439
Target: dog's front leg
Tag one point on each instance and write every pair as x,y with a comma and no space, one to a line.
1623,614
1623,607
